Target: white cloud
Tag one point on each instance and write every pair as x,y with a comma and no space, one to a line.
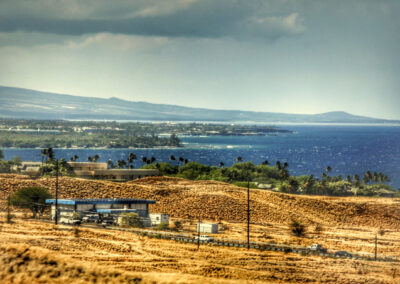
169,18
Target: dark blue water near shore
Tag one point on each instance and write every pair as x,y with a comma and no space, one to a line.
347,149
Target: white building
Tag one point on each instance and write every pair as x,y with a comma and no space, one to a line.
207,228
158,218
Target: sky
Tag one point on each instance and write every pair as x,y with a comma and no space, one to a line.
291,56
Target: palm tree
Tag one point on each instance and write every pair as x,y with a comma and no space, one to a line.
278,165
265,163
90,159
50,153
309,184
152,159
43,154
121,164
131,157
172,158
328,169
239,159
356,179
285,165
221,164
144,159
95,158
348,179
368,177
181,160
74,158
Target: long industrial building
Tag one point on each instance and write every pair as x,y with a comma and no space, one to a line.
101,171
106,206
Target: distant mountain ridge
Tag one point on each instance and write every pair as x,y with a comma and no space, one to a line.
31,104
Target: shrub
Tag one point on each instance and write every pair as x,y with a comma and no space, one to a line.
130,220
163,226
318,228
178,224
297,228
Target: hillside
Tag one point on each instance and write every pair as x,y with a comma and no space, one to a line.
211,200
38,251
30,104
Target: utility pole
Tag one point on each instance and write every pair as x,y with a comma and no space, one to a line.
8,210
248,214
376,245
198,235
56,212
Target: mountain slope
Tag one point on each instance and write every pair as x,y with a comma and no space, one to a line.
24,103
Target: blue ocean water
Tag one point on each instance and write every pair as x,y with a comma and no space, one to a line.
309,149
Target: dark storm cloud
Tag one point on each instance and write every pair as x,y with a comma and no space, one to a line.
260,19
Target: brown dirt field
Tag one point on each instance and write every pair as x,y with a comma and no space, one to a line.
347,223
35,252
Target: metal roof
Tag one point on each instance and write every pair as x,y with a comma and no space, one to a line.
117,210
101,201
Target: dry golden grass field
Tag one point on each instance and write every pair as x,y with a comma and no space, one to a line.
35,252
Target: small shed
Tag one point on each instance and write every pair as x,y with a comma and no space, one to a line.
207,228
158,218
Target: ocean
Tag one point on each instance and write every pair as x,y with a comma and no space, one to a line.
348,150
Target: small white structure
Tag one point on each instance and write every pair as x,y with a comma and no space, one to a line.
158,218
207,228
28,167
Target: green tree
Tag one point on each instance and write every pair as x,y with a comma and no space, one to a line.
33,198
130,220
1,155
96,158
193,170
165,169
121,164
130,159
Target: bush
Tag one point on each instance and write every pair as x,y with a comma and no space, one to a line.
130,220
163,226
178,224
297,228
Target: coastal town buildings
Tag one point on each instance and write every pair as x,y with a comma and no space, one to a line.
100,171
91,170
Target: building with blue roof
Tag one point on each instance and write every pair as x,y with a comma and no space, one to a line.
105,207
